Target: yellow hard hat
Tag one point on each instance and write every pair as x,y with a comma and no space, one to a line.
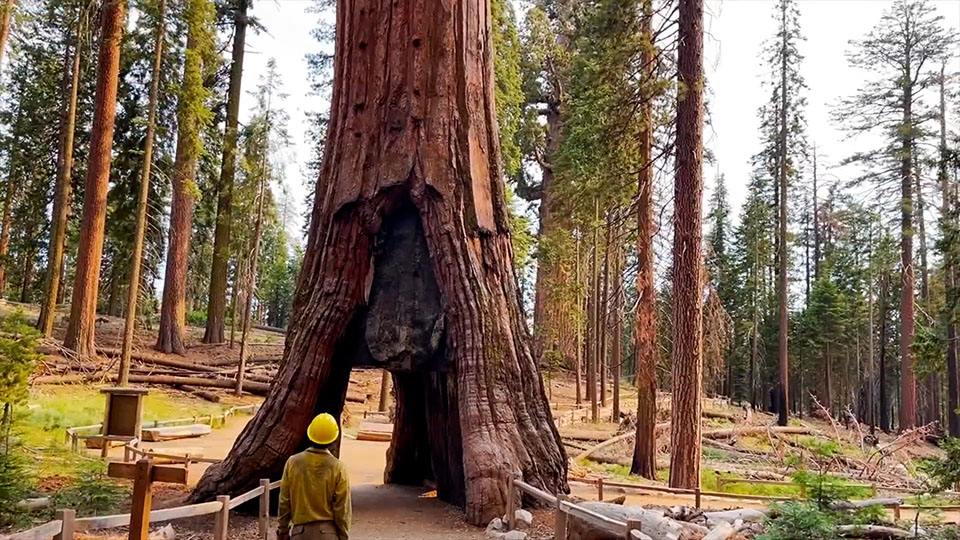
323,429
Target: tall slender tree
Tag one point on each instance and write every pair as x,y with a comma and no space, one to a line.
61,202
687,252
83,308
133,292
645,325
6,13
901,49
192,117
217,303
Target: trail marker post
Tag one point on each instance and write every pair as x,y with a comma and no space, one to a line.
144,473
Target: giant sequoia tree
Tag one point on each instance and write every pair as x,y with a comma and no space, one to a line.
408,267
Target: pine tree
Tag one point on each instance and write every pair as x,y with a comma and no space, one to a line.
902,49
217,303
82,323
192,118
687,253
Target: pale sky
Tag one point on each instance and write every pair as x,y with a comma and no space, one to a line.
736,30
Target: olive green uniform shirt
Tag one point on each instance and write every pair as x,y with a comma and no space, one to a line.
315,487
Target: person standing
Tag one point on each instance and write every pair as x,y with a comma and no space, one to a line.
315,491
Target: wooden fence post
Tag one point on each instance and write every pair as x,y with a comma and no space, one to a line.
600,489
68,526
696,495
142,500
511,502
896,512
263,519
719,481
221,518
632,525
560,520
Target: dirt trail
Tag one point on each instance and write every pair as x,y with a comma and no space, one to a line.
379,511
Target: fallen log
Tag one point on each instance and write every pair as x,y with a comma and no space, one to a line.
721,532
865,503
757,430
172,433
272,329
733,516
653,523
872,531
72,378
587,434
209,396
157,359
252,387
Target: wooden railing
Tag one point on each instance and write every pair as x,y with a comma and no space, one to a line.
564,508
76,434
66,525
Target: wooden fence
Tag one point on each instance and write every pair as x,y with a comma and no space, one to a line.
564,508
66,525
76,434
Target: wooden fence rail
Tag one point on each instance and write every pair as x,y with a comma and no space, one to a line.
67,524
563,509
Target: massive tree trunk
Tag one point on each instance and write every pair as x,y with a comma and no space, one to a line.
412,167
645,329
217,303
136,258
173,309
783,326
908,380
83,307
61,201
687,253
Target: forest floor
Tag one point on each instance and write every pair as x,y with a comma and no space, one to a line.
752,451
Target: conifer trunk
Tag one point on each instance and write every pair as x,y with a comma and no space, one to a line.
616,354
882,383
592,326
6,11
949,218
645,324
783,326
61,201
136,258
83,307
604,320
217,303
435,163
170,338
908,380
687,253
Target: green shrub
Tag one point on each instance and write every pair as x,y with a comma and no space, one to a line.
93,493
14,487
945,472
197,318
799,521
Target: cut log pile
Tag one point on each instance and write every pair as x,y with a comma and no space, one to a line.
685,523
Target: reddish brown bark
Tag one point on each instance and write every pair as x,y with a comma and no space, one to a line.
5,13
645,329
217,303
687,253
61,206
173,309
83,307
948,212
136,258
418,131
